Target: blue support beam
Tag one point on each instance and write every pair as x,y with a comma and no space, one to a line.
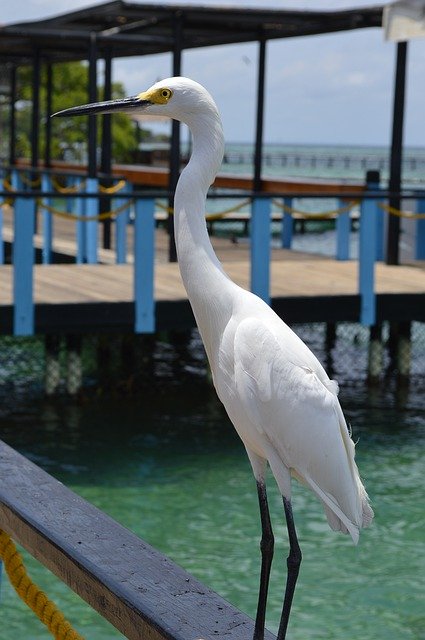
260,248
287,225
367,257
23,260
1,237
91,226
79,210
343,229
420,231
144,256
121,223
47,222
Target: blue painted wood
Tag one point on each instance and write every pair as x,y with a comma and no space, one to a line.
47,222
23,260
70,181
80,225
287,225
1,237
367,256
420,231
121,223
343,229
144,255
380,229
91,226
260,248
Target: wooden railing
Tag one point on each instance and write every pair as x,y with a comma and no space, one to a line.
128,582
25,198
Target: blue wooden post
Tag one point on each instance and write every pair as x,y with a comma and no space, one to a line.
144,254
1,237
260,248
420,231
367,256
121,223
91,226
343,228
47,222
287,225
79,210
380,233
23,260
70,181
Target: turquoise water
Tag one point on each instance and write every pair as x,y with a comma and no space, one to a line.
170,467
350,162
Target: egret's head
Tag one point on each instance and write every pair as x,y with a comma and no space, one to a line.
178,98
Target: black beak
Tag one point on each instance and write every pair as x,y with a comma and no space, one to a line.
123,105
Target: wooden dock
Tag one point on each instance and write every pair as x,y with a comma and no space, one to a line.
304,288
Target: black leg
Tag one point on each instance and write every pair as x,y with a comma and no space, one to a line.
293,562
266,546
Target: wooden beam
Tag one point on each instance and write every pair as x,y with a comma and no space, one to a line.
140,591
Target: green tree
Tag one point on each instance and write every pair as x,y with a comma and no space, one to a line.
69,140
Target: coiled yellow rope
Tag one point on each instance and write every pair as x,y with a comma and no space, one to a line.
45,610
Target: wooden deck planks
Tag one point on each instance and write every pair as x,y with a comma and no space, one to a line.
54,284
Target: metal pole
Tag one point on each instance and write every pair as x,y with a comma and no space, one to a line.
175,133
260,115
106,157
12,117
92,93
396,152
48,148
35,108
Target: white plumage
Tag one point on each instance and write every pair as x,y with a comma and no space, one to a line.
278,396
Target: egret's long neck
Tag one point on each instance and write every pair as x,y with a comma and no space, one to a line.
207,285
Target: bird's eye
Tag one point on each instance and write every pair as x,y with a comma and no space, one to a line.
166,93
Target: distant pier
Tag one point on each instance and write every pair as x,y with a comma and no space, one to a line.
307,159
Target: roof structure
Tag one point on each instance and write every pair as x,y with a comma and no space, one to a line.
133,29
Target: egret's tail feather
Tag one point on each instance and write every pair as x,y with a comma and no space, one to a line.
337,519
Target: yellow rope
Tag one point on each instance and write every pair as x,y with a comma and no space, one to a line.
73,189
325,215
45,610
71,216
210,216
401,214
116,187
31,183
8,185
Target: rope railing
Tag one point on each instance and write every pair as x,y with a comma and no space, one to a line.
82,218
31,594
393,211
211,216
71,189
323,215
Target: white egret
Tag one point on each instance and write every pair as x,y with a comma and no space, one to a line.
277,394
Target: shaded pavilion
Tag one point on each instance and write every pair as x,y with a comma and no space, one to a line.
122,29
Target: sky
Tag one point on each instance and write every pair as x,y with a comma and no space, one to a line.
330,89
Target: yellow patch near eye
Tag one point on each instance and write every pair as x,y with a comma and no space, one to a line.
160,95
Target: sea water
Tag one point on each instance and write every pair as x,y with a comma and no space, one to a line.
170,467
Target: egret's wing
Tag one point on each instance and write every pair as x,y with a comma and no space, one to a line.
294,407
